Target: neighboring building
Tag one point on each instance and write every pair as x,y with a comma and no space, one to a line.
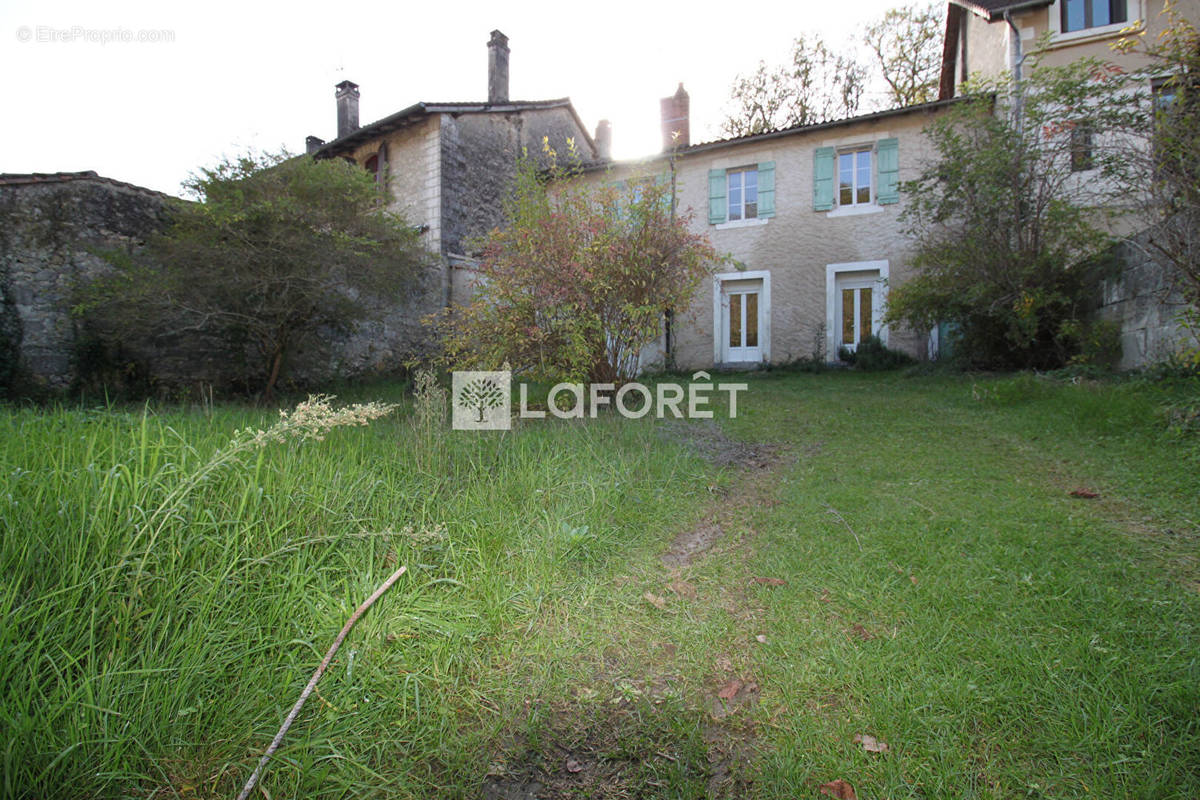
991,37
810,216
447,167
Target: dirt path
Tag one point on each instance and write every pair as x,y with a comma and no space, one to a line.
621,750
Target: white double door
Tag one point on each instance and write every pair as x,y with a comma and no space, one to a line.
741,307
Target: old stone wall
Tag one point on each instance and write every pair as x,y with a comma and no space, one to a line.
52,231
1143,301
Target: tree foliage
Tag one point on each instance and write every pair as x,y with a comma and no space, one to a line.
817,85
1010,219
274,251
577,285
907,45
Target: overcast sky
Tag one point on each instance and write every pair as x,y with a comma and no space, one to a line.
220,77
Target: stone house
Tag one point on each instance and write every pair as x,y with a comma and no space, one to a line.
447,167
810,216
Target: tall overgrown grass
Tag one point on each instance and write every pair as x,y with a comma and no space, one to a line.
167,584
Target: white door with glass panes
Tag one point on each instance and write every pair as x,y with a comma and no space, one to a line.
857,312
740,322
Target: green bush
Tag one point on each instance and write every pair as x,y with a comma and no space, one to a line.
872,355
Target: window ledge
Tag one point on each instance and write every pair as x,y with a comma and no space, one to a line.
856,210
1095,34
742,223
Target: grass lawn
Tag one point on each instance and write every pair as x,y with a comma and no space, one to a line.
613,608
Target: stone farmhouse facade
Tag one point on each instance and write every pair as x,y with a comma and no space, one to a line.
810,217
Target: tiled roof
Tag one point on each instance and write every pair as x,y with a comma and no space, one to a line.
421,110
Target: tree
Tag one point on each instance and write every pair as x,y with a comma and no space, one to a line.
907,44
275,250
1167,181
816,86
1010,220
577,285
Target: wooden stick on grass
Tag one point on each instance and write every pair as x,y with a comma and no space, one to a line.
312,682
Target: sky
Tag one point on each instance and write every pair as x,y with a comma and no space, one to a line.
147,92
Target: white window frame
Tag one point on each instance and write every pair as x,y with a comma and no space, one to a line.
729,173
854,203
1137,16
764,312
833,300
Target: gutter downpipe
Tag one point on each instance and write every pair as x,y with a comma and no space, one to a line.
1018,60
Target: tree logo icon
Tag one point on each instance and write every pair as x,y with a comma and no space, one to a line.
482,400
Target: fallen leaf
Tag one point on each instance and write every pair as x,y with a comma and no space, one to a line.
913,578
770,581
839,789
762,639
655,600
825,596
682,588
730,690
870,743
574,766
861,632
1086,494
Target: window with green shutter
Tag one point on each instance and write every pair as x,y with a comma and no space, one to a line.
823,163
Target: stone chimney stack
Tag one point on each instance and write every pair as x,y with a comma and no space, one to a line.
312,144
675,112
347,108
498,69
604,140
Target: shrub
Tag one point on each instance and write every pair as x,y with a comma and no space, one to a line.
872,355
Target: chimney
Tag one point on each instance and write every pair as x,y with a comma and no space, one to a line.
498,69
604,140
675,111
347,108
312,144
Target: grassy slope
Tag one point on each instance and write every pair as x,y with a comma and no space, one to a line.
1048,645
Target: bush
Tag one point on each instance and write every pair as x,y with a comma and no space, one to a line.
872,355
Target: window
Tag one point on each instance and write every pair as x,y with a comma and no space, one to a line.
372,166
1081,148
854,177
1078,15
861,178
743,193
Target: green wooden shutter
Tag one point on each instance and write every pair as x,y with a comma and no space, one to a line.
766,189
823,161
887,162
716,196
